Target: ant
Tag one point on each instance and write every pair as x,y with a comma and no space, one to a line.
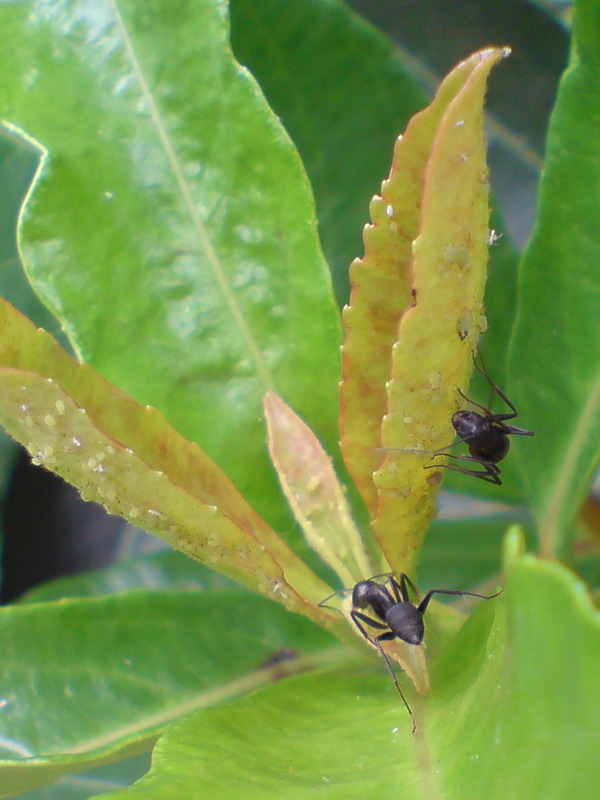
486,435
394,615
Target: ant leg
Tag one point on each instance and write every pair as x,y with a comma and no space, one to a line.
405,582
425,601
482,370
396,684
490,472
485,409
398,589
511,429
357,617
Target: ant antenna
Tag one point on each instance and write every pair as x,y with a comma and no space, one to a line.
323,603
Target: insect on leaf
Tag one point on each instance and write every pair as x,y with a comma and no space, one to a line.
416,312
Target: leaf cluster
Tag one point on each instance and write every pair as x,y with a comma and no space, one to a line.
163,199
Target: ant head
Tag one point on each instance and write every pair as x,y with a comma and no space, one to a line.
467,423
361,593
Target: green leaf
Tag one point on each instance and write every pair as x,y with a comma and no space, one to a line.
463,553
100,678
555,363
18,164
80,786
342,736
172,225
344,129
165,570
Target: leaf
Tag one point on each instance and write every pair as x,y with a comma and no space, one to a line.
101,779
555,357
463,553
344,736
313,491
431,306
344,129
172,227
500,307
163,570
130,459
17,166
100,678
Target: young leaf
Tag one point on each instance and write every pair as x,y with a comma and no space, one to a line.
423,298
133,462
555,359
437,335
315,494
171,228
381,291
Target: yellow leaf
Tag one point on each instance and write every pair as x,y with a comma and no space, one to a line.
128,458
415,313
314,493
438,335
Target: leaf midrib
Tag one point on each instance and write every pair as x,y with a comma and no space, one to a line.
213,259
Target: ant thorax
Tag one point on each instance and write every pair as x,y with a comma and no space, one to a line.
485,433
483,436
410,657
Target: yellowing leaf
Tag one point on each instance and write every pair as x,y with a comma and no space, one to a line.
415,313
437,336
314,493
129,459
382,289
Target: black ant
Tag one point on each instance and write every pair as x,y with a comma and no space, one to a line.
486,435
395,615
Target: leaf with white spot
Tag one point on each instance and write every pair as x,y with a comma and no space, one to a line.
416,310
315,494
129,459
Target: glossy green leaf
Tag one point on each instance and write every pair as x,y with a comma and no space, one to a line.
172,226
343,93
494,711
18,164
555,365
164,570
100,678
464,553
